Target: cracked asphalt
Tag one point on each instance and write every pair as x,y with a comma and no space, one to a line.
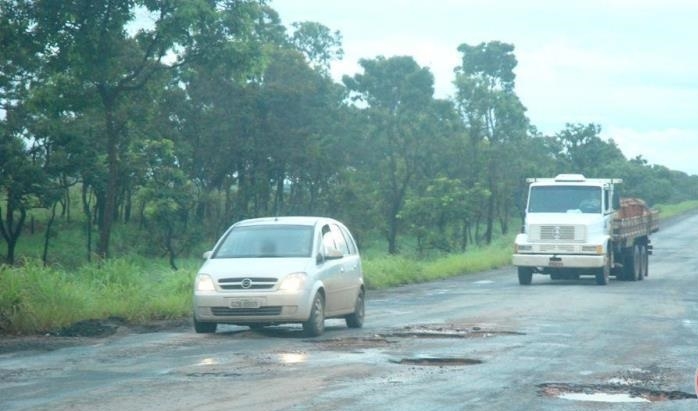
475,342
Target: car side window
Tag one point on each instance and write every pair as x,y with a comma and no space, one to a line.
338,238
327,239
349,240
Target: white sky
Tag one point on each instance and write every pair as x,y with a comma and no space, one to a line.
630,66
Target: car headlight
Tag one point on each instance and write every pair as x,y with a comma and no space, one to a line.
204,283
293,282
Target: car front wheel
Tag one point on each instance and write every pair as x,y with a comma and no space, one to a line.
316,322
204,328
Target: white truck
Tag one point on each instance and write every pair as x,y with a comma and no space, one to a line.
578,226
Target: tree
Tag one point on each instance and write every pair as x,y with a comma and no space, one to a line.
167,196
399,96
88,40
22,182
584,151
496,123
318,43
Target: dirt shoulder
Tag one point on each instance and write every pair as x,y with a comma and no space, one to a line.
84,333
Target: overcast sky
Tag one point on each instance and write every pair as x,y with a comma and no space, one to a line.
630,66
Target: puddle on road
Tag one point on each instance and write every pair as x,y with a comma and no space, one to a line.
437,361
610,393
352,343
448,331
213,374
602,397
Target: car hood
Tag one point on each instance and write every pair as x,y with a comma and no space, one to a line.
255,267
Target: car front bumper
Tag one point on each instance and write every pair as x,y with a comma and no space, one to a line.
273,307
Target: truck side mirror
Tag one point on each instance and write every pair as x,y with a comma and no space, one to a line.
616,201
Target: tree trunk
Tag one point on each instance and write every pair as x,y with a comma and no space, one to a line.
88,219
105,224
47,235
170,248
11,231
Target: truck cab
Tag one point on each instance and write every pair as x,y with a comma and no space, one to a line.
568,228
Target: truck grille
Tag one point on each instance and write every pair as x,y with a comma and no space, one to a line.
557,233
558,248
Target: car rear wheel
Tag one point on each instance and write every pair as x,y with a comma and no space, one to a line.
316,322
356,319
204,328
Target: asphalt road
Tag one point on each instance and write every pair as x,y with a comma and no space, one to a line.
476,342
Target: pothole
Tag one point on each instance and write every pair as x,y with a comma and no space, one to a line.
610,393
213,374
437,361
352,343
448,331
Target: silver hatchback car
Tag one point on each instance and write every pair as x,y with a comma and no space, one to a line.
275,270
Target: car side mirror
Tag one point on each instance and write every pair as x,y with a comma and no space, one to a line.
207,255
333,254
329,254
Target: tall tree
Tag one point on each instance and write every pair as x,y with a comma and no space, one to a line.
584,151
88,40
398,94
496,123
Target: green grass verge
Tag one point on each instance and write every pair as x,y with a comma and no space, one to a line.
388,271
38,299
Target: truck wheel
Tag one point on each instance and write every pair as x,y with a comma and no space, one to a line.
644,262
525,275
603,273
632,264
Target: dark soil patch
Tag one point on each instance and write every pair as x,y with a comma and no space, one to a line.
82,333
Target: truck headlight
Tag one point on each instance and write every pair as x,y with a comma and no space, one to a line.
524,248
293,282
204,282
596,249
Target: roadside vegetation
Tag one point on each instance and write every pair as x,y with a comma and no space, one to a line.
127,148
35,298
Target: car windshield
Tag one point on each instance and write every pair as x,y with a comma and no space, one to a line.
266,241
565,199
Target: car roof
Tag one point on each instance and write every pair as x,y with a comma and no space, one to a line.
286,220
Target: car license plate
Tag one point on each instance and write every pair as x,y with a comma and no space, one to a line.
244,303
555,263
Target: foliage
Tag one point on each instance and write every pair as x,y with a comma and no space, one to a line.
153,138
34,298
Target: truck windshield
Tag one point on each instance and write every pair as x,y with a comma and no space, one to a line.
564,199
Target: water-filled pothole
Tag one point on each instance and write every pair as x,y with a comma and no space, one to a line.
610,393
448,331
213,374
437,361
352,343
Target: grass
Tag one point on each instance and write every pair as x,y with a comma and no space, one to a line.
671,210
392,270
38,299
